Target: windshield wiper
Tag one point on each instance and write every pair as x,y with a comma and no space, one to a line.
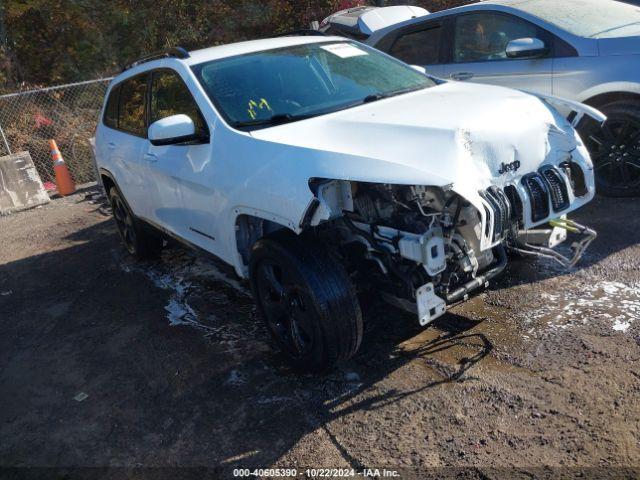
277,119
374,97
379,96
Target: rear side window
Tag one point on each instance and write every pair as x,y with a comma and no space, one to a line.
111,111
131,111
170,96
418,48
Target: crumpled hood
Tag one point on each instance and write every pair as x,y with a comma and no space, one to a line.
454,133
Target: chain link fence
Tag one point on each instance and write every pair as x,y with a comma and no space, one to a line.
66,113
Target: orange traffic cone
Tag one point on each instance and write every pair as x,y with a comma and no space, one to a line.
65,183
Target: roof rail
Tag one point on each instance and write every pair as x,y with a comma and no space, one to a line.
301,33
174,52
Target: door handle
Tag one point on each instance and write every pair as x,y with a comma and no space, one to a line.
461,76
150,157
111,145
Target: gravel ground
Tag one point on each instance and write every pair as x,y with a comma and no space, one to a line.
105,362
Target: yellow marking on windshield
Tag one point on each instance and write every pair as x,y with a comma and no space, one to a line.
254,106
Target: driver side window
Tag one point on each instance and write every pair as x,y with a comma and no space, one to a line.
170,96
481,37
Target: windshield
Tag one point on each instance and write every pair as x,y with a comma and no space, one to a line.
588,18
271,87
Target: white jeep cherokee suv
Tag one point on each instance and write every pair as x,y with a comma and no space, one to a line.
318,166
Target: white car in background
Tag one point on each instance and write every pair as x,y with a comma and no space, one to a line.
584,50
317,166
358,23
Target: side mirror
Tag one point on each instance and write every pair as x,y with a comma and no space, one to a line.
526,48
420,69
172,130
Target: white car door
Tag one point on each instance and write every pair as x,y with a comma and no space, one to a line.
182,196
478,52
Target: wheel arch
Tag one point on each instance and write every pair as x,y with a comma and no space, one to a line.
108,182
605,98
249,226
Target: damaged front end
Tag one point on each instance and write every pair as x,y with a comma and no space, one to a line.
424,247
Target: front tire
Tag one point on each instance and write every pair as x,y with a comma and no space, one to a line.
615,149
137,239
307,301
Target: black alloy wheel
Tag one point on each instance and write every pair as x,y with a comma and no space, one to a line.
615,151
306,299
124,223
286,314
139,240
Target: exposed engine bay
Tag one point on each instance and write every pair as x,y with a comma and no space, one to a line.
424,248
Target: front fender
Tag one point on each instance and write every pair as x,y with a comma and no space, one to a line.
564,104
230,239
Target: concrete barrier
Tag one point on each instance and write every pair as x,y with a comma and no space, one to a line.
20,184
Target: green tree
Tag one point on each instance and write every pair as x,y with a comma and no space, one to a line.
45,42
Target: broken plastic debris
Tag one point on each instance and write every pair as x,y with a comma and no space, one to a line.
80,397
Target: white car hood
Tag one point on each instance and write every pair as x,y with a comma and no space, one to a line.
379,18
371,19
453,134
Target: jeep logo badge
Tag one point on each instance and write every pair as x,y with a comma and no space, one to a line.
509,167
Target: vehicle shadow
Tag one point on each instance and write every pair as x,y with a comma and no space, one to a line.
451,336
208,394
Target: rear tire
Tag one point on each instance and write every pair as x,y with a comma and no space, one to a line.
615,149
307,301
138,239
